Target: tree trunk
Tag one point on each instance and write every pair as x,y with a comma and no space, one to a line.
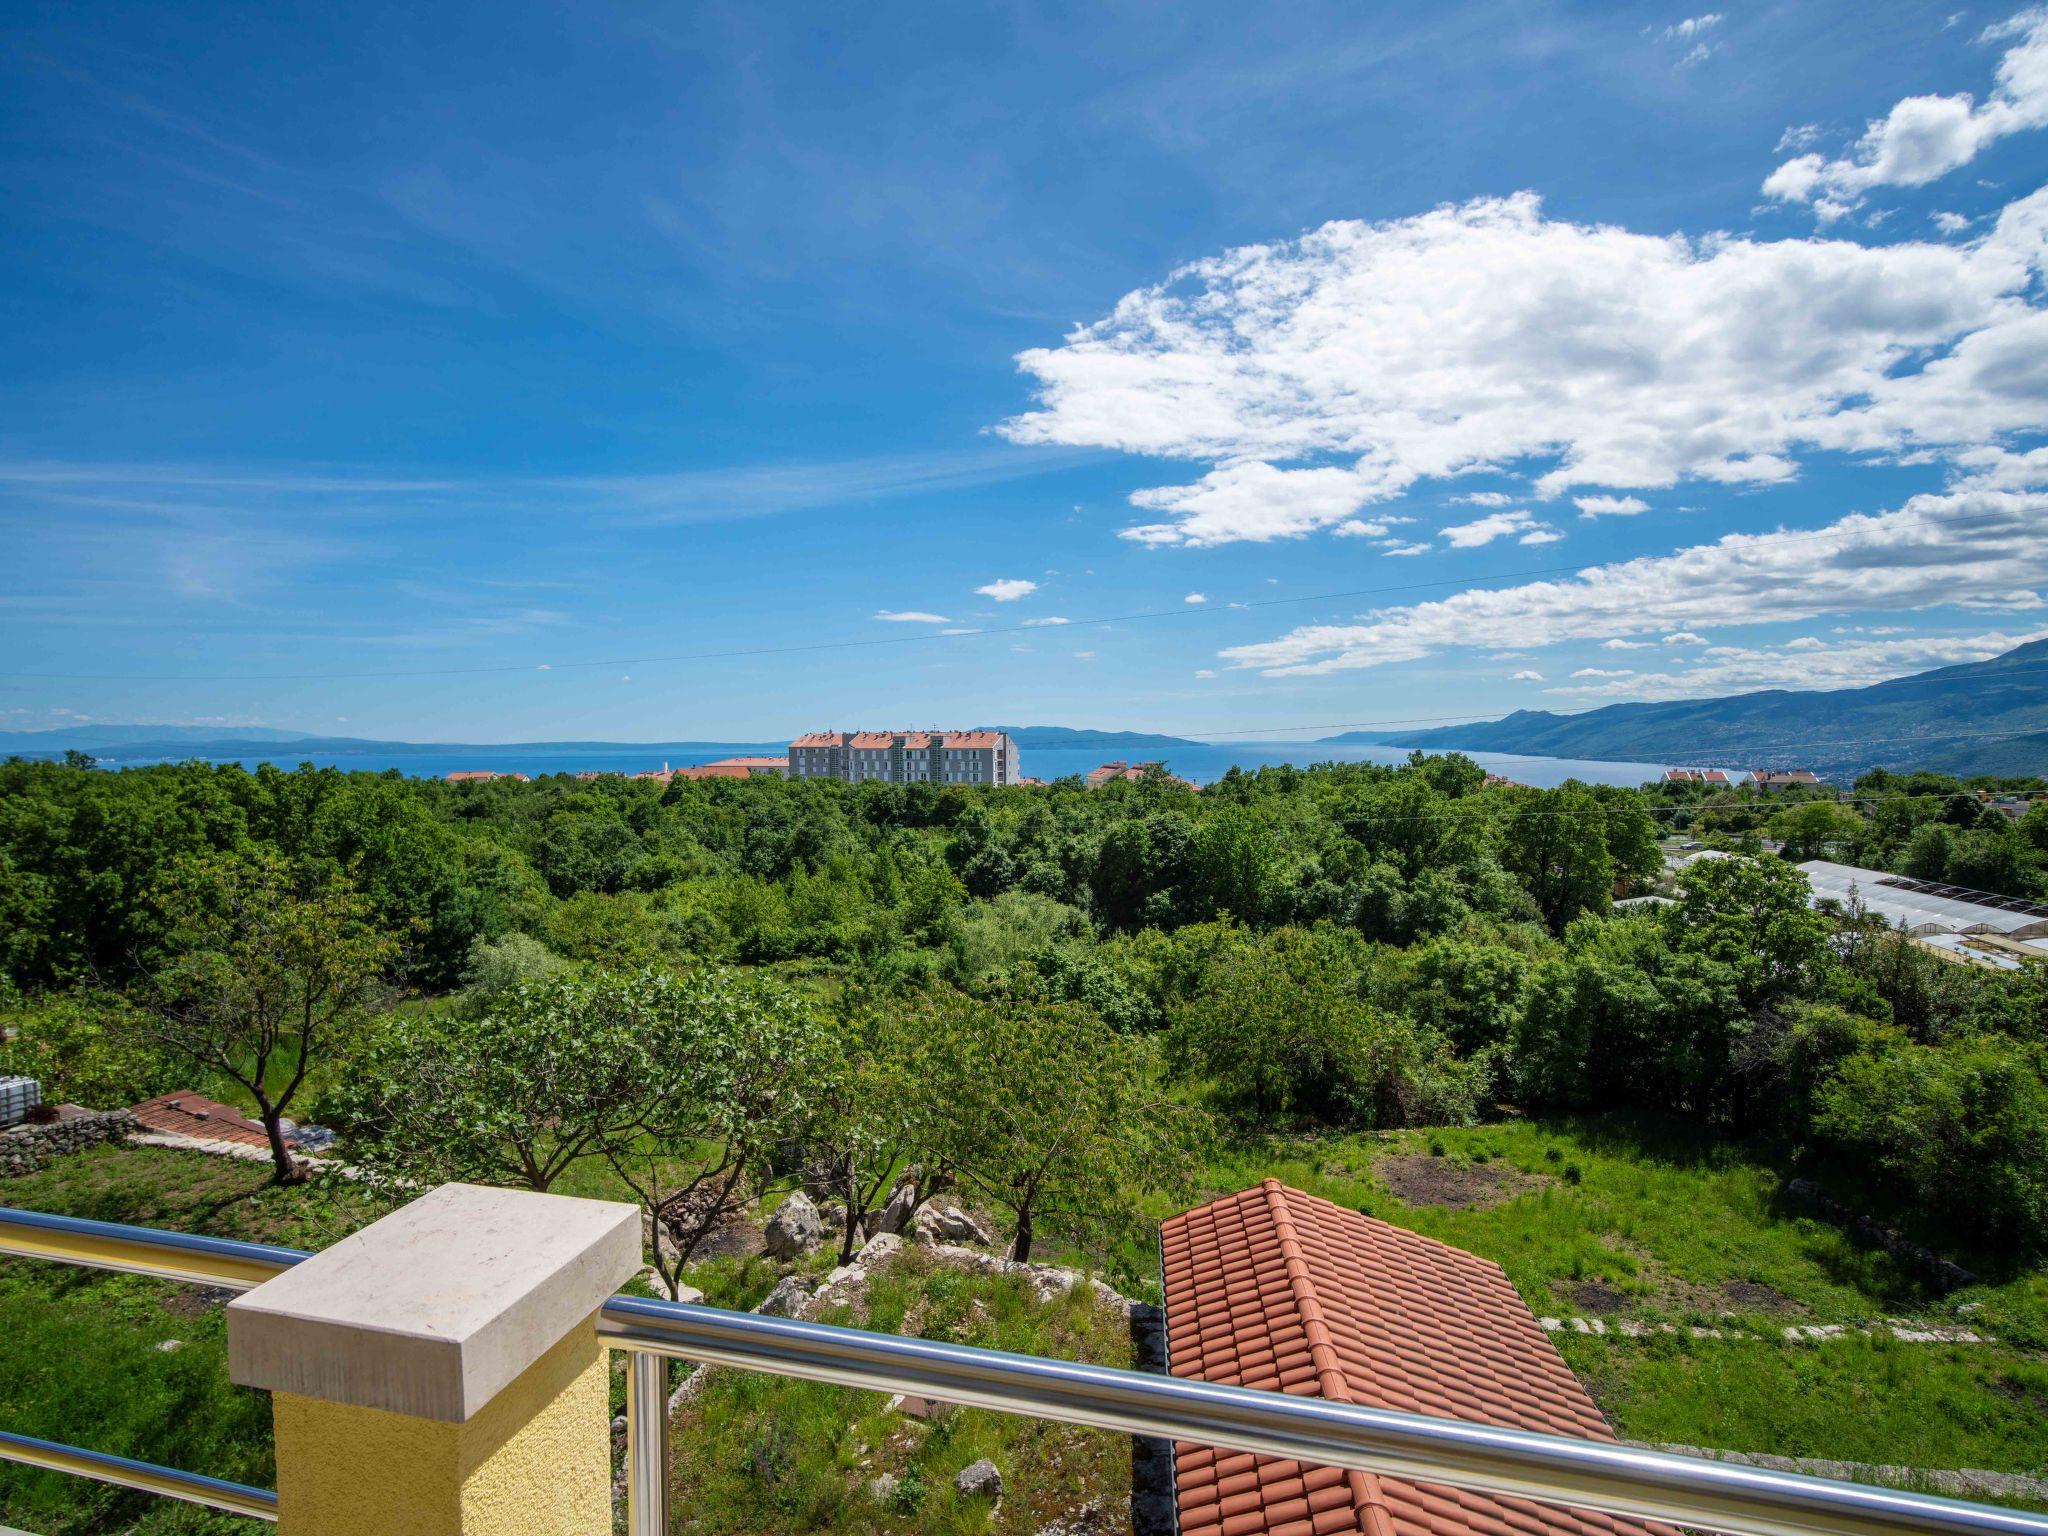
285,1168
1020,1246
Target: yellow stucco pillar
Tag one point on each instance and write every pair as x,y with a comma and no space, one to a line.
443,1375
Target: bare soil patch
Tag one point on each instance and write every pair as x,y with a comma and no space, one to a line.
1416,1178
1750,1296
1592,1296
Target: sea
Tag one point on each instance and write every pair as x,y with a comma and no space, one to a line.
1201,763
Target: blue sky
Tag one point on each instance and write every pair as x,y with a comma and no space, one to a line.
501,372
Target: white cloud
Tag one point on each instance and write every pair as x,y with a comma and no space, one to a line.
1396,547
911,616
1798,137
1685,637
1355,528
1319,376
1952,223
1735,669
1196,597
1601,672
1923,138
1009,589
1806,643
1526,676
1084,655
1610,506
1521,525
1486,499
1205,672
1048,622
1979,548
1692,27
1626,645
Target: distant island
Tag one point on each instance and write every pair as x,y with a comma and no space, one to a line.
1980,717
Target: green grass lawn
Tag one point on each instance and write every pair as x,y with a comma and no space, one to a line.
1624,1217
80,1355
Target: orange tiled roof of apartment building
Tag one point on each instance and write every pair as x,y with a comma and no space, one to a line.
187,1114
820,739
1277,1289
750,762
870,741
973,739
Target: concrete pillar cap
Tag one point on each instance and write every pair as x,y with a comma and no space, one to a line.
434,1309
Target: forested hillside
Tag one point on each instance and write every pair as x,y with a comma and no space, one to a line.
1985,717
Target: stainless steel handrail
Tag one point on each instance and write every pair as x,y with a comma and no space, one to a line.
192,1487
1586,1474
222,1262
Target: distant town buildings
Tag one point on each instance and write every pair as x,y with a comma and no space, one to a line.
1117,769
906,757
1759,778
477,775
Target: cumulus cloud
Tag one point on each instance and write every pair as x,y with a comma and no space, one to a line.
1486,499
1319,376
911,616
1526,676
1952,223
1610,506
1009,589
1923,138
1733,669
1602,672
1685,637
1626,645
1522,526
1978,548
1196,597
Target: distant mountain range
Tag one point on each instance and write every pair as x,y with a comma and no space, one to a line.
1980,717
1031,736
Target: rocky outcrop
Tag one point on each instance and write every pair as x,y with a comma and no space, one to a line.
795,1229
27,1148
950,1224
980,1480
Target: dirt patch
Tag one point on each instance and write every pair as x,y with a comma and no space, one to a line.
1750,1296
1415,1178
195,1300
1592,1296
737,1238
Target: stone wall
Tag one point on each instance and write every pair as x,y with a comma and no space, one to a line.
27,1147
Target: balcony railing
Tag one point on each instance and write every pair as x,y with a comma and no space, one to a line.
1586,1474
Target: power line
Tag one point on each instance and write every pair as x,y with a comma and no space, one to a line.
1183,612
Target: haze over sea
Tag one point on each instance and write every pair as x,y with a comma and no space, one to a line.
1203,763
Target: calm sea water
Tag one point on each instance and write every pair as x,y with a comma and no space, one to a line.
1203,764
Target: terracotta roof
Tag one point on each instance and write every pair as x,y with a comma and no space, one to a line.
1277,1289
820,739
917,741
974,738
750,762
187,1114
870,741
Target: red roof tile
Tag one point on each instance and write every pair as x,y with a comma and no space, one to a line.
820,739
187,1114
1276,1289
974,739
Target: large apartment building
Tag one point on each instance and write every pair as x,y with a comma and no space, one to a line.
906,757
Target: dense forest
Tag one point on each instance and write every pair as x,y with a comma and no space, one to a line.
500,979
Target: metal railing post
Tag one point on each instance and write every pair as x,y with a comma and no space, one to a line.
647,1444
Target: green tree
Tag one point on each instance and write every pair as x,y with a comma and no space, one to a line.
1043,1110
723,1068
1752,915
1555,843
1282,1029
1816,829
516,1096
272,974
